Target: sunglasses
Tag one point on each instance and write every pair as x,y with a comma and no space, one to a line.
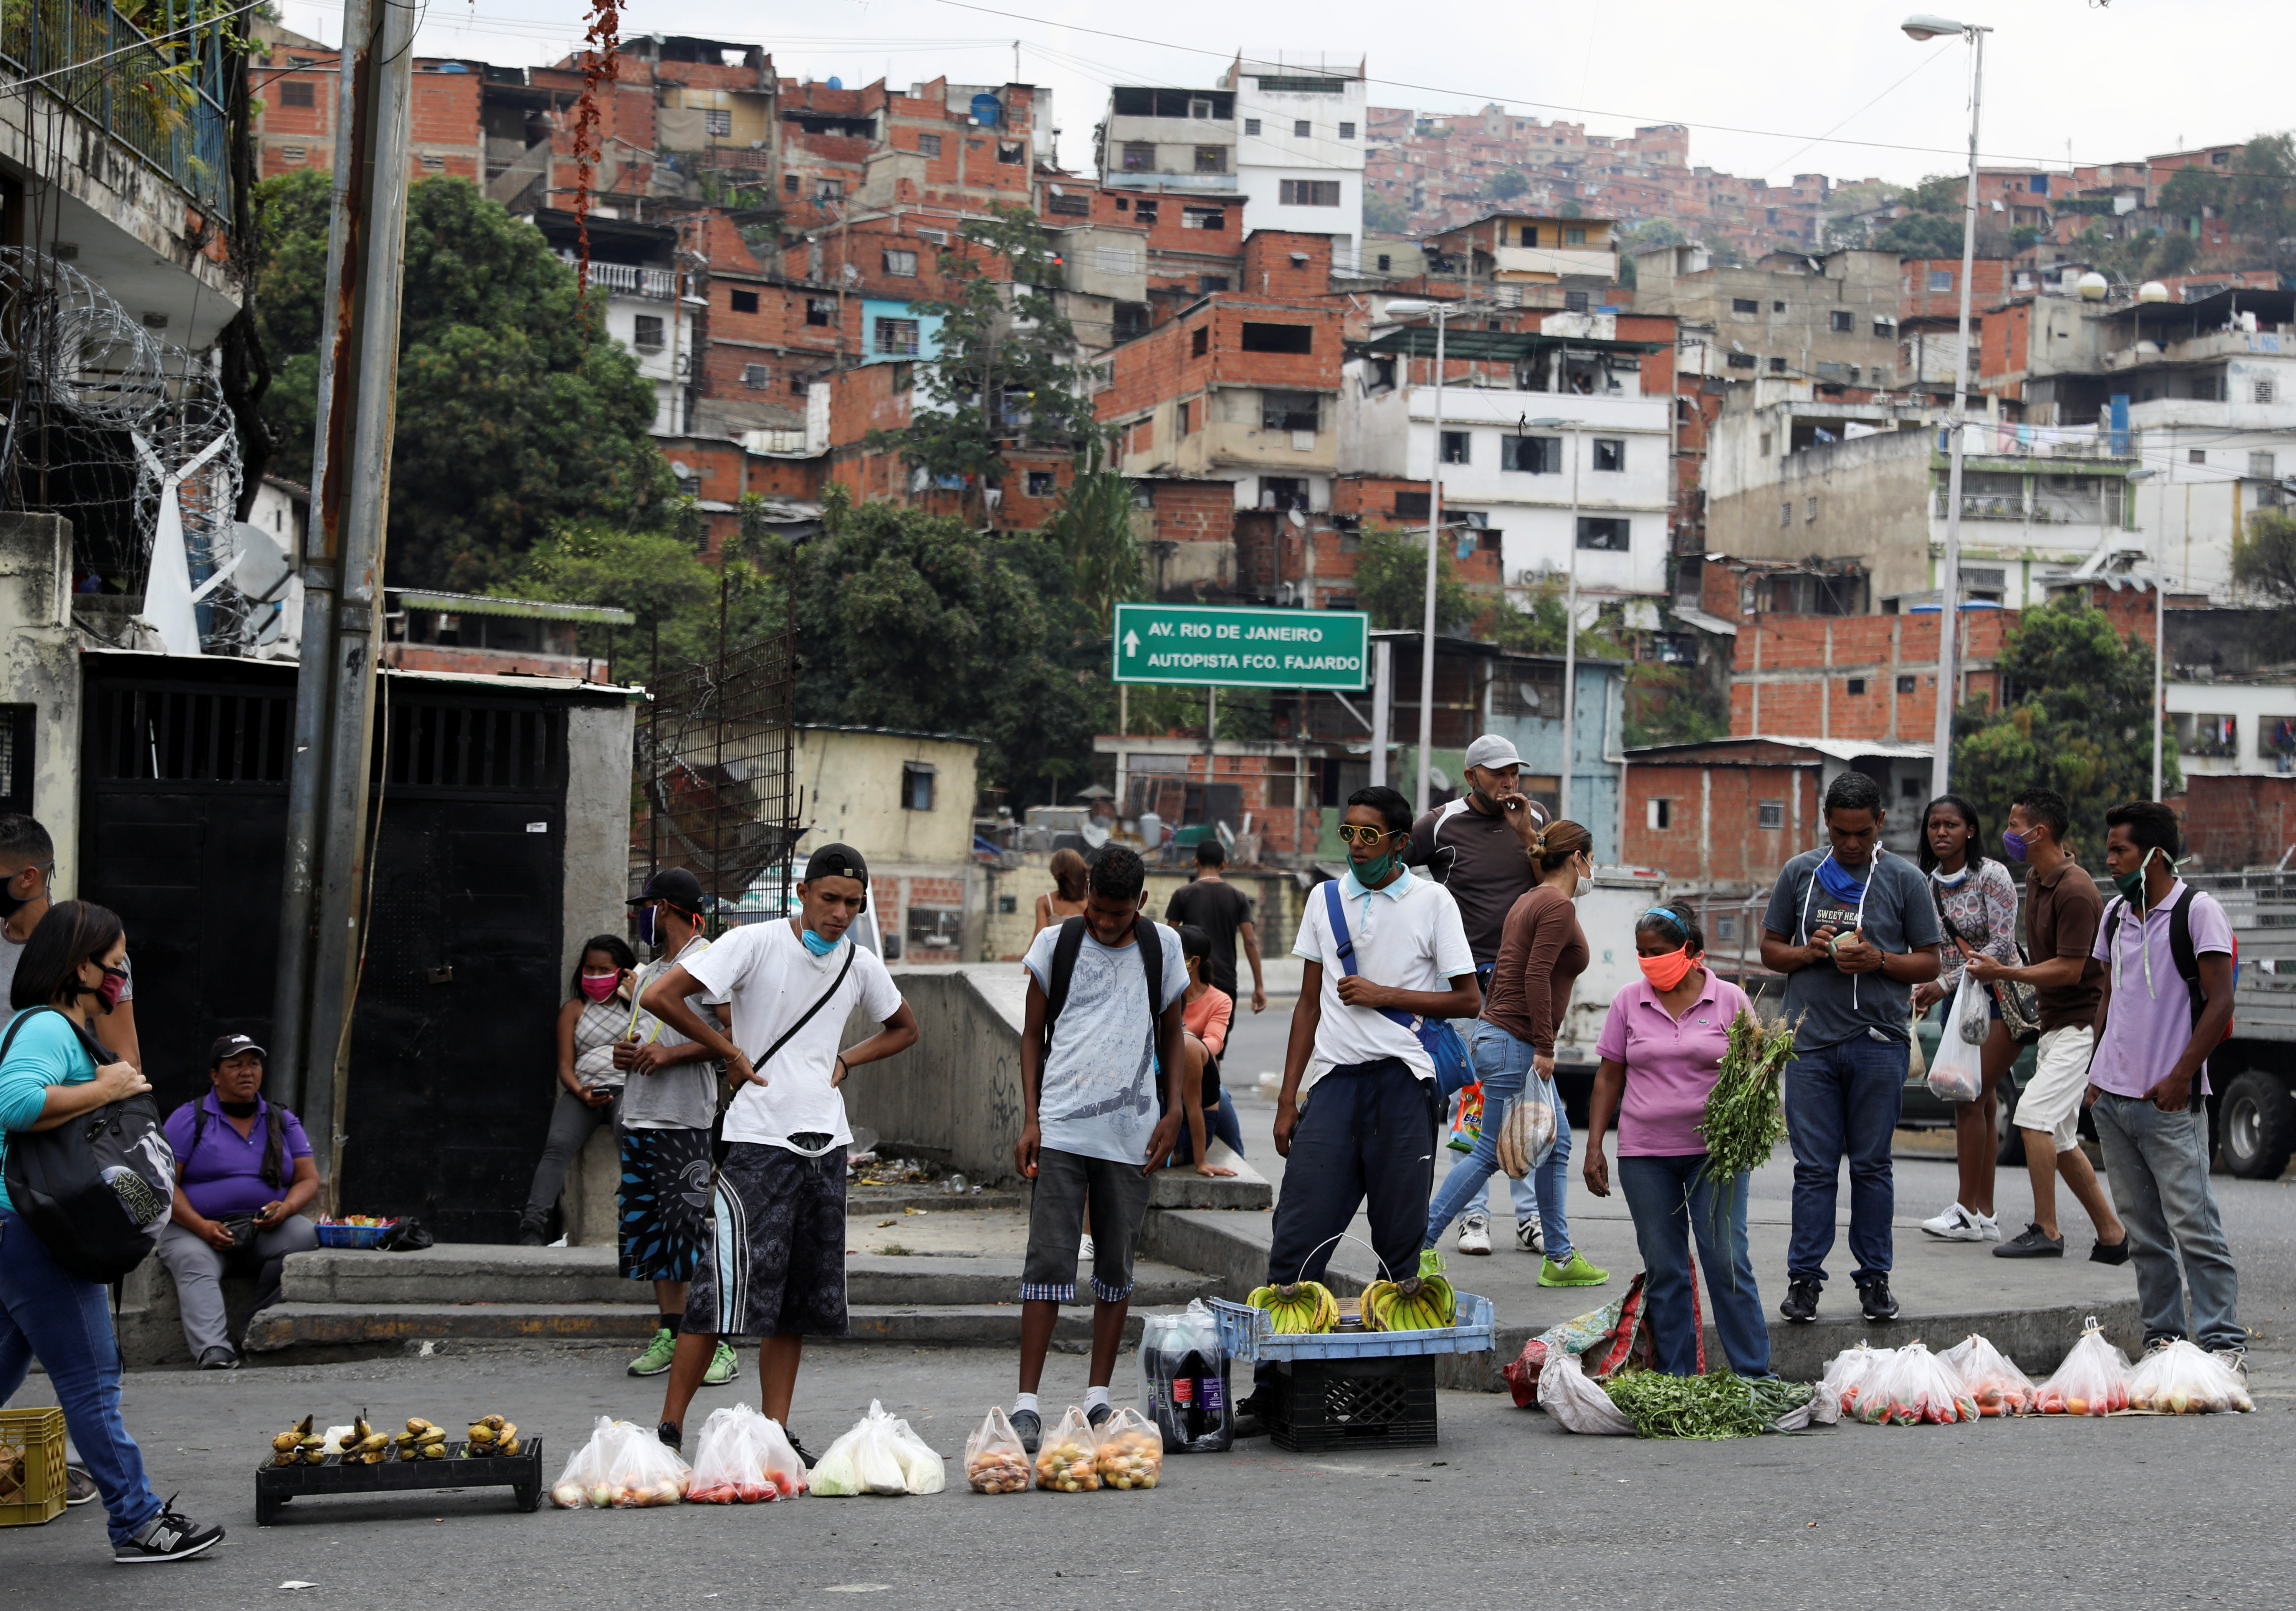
1355,833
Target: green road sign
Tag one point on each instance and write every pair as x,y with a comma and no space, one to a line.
1221,647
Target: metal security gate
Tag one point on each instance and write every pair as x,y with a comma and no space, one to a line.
716,768
454,1056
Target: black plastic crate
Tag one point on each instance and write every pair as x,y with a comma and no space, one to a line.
1384,1400
522,1472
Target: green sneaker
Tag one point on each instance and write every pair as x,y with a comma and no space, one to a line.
1578,1272
655,1359
725,1365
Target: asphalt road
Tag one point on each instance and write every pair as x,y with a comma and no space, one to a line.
2138,1511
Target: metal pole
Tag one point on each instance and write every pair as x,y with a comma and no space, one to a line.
1571,636
1434,534
1950,593
2160,658
357,393
1382,707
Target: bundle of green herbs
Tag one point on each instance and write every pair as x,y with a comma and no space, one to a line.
1717,1405
1744,1118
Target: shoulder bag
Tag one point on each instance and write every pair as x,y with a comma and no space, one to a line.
1435,1037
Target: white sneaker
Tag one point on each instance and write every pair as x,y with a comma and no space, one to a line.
1527,1234
1475,1234
1958,1224
1990,1224
1084,1251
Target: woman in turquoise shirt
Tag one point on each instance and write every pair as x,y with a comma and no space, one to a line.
73,964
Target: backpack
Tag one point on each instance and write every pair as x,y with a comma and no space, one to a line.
1441,1043
2187,962
1069,944
96,1191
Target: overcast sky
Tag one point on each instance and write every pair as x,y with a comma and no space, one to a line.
1760,82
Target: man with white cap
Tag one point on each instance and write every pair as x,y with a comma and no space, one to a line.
1478,847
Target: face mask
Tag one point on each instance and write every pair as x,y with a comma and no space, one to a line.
600,986
238,1110
1949,878
1374,872
114,986
1666,970
818,946
648,928
2015,844
2131,885
1585,888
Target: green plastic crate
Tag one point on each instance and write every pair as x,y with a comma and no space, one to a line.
38,1436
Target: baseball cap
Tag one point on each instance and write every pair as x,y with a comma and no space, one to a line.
1492,751
675,885
232,1045
837,861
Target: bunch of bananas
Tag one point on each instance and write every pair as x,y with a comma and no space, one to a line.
298,1445
365,1445
422,1440
1301,1307
491,1435
1424,1302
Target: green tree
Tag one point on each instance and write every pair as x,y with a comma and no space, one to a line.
1094,527
1392,582
1507,185
2266,564
1384,216
516,412
2077,716
913,620
1007,375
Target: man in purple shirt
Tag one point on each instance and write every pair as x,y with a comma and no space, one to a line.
2147,1084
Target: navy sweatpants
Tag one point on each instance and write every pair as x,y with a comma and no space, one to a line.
1368,1132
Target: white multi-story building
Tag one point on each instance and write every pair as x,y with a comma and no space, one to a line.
1299,148
1571,456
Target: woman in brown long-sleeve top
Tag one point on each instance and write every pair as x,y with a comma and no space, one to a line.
1542,953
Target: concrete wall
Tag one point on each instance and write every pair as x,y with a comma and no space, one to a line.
598,738
1872,496
39,666
956,1093
851,784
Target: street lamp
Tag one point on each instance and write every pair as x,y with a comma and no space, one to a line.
1922,27
1440,312
1569,625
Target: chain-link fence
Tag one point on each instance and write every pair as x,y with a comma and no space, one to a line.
715,766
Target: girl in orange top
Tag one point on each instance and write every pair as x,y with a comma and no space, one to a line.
1205,1011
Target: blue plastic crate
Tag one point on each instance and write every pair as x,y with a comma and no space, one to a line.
1248,1333
352,1236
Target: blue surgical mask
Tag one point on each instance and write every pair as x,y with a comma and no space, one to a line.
814,943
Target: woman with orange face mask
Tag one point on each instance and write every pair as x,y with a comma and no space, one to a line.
1660,1053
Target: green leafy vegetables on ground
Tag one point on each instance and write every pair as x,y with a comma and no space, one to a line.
1717,1405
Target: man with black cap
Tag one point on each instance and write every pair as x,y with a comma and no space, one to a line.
774,1264
668,1108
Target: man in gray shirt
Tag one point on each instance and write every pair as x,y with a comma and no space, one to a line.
1853,930
669,1106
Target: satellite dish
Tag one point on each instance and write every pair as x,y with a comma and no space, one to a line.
2093,286
678,467
2152,290
263,569
1298,521
1058,191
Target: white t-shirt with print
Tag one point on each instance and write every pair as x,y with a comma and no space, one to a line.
770,978
1407,935
1097,1095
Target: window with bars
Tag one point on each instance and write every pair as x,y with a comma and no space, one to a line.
299,92
1308,192
927,145
717,122
16,757
145,733
896,338
474,749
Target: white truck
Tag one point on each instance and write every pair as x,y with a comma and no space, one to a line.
1607,917
2253,1072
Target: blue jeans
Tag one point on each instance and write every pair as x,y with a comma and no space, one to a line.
62,1321
1843,1100
2158,1164
1672,1201
1220,1125
1503,1063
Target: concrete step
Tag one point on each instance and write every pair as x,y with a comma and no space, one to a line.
944,1281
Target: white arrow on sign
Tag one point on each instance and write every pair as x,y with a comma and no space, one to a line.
1131,644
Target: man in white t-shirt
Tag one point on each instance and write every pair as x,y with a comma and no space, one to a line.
775,1268
1100,1072
1357,1116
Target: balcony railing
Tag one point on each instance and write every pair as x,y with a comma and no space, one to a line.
159,93
661,284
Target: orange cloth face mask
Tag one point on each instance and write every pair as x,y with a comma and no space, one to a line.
1668,968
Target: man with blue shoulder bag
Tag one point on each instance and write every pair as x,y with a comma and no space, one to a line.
1386,963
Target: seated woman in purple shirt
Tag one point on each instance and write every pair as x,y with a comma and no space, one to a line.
244,1174
1659,1054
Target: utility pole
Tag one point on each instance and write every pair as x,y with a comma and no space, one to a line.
1442,317
321,916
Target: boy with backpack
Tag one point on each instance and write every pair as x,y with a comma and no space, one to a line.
2167,954
1102,1034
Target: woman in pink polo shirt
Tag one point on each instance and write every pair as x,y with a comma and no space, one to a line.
1660,1053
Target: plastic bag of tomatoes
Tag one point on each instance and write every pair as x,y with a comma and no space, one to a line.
2093,1379
1912,1389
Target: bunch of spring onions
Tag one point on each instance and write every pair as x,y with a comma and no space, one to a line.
1717,1405
1744,1118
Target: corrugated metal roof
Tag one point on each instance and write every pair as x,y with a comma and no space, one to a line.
487,604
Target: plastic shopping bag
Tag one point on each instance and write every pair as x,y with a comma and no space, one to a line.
995,1462
922,1469
1068,1461
2093,1379
1580,1405
1915,1388
1849,1371
1184,1381
1527,1135
1957,1072
743,1458
584,1484
2178,1378
1993,1380
1131,1453
867,1459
